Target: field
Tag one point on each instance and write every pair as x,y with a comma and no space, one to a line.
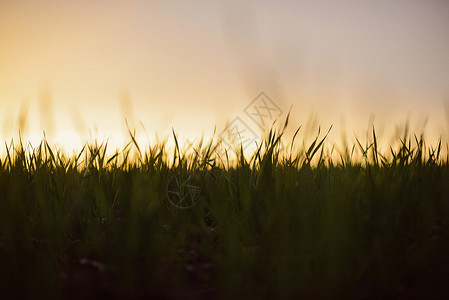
149,224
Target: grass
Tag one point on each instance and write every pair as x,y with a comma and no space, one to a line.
282,223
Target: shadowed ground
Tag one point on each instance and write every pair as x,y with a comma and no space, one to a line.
275,225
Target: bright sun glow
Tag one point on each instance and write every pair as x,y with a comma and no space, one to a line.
77,71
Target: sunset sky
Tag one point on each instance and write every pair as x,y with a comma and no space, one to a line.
77,69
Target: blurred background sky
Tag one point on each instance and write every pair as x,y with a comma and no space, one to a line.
77,69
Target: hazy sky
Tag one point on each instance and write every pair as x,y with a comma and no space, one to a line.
74,67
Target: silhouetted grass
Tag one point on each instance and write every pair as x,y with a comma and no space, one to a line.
282,223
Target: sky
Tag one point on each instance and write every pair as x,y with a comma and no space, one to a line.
78,69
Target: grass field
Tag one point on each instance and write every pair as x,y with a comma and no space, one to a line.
149,224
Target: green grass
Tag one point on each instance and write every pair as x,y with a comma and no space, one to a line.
278,224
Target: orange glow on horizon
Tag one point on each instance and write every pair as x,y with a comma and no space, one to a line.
78,70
